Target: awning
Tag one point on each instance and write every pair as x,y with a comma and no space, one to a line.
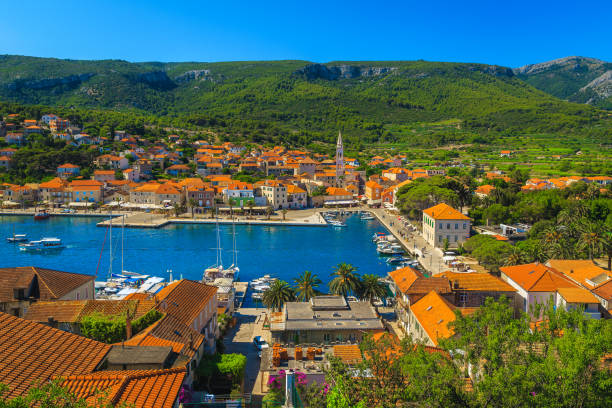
13,203
80,204
340,202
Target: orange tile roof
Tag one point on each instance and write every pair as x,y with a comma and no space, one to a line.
185,299
580,270
485,189
293,189
32,351
577,295
476,281
137,388
411,282
444,211
536,277
335,191
104,172
52,284
433,313
605,291
68,166
54,183
63,311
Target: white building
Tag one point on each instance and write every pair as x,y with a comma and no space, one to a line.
442,222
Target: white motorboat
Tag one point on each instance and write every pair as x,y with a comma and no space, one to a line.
393,249
337,223
42,244
17,238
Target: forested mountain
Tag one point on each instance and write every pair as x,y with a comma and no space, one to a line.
576,79
298,99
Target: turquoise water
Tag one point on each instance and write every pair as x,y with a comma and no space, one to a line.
281,251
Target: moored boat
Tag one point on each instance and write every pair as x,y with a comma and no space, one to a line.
41,215
17,238
42,244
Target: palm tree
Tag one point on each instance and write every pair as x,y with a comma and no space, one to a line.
515,257
591,238
250,204
371,288
346,280
275,297
284,212
192,204
306,285
269,212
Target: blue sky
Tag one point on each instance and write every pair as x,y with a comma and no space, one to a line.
496,32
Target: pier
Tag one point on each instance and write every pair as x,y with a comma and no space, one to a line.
241,290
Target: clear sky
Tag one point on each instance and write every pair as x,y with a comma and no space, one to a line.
510,33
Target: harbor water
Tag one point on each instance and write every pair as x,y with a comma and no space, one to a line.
283,252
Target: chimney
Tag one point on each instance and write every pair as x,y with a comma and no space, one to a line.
128,328
52,322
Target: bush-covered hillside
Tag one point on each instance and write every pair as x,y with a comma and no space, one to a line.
299,101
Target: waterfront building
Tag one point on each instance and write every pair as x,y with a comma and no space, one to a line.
275,193
442,222
373,192
239,193
297,198
21,286
324,319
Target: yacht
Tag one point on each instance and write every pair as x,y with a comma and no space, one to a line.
367,216
18,238
337,224
42,244
398,260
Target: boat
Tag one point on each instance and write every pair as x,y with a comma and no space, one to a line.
217,271
398,260
42,244
367,217
17,238
393,249
233,271
337,224
257,296
41,215
378,236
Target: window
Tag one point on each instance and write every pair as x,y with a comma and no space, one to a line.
456,226
455,238
463,298
464,225
447,225
440,238
441,226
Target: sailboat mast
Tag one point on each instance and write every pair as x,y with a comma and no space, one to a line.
110,246
235,260
122,230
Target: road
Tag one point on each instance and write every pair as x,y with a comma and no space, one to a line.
239,339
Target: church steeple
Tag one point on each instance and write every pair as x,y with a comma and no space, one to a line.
339,161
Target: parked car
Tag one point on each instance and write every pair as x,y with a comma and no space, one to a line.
260,343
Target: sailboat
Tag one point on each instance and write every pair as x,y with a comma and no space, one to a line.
234,270
215,271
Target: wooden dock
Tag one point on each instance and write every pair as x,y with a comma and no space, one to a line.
241,291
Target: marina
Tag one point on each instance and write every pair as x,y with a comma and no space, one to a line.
280,251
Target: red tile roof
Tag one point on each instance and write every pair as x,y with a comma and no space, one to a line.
444,211
477,281
31,351
137,388
185,299
51,284
536,277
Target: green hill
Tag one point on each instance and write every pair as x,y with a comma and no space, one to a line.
298,100
576,79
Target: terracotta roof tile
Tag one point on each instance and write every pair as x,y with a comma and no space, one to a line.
581,271
577,295
433,313
348,353
137,388
536,277
444,211
52,284
32,351
478,282
411,281
185,299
